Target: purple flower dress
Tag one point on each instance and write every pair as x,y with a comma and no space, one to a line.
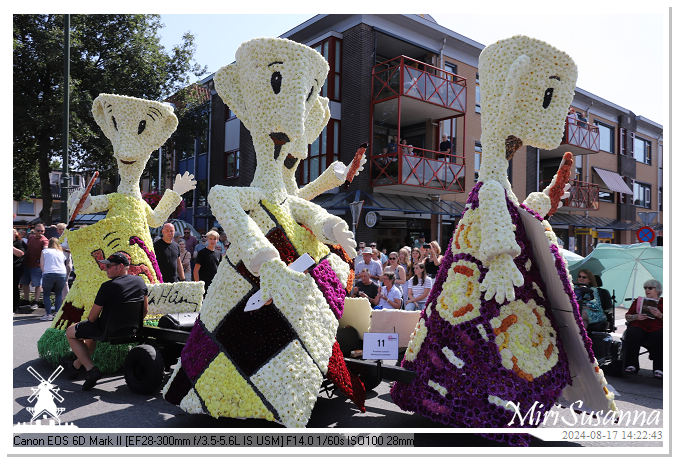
476,359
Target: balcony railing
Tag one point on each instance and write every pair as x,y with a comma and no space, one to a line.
403,76
581,134
583,196
423,168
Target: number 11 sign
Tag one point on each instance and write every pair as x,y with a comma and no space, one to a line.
380,345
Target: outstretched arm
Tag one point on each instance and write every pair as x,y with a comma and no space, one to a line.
498,246
325,226
157,216
92,203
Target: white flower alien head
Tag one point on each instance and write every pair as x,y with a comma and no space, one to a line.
526,88
135,127
273,87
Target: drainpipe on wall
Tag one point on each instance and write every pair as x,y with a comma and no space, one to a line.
441,62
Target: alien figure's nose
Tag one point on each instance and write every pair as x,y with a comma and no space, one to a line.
279,138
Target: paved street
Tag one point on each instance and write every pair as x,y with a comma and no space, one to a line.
111,404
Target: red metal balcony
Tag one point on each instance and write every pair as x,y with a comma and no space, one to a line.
403,76
583,196
579,137
422,169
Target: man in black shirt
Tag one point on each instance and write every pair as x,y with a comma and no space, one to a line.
207,260
167,255
366,288
445,145
122,288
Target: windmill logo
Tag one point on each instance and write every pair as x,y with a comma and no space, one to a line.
45,394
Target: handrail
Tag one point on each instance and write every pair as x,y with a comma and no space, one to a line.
402,62
436,172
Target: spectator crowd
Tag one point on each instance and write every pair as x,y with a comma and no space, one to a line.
399,279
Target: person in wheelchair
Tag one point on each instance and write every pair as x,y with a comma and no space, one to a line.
644,328
595,303
122,288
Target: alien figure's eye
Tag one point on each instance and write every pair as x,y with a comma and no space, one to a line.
142,126
548,97
311,92
276,80
115,124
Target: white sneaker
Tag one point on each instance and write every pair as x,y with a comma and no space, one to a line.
51,317
46,317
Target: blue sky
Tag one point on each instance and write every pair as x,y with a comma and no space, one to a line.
621,57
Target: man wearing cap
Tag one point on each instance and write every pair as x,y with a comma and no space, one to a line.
122,288
373,267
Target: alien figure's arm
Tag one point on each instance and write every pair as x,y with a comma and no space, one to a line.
157,216
498,246
327,227
229,205
334,176
92,204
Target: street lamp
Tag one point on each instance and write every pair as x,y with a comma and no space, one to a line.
355,208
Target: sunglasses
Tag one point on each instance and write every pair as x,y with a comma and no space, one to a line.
649,288
582,277
393,257
110,265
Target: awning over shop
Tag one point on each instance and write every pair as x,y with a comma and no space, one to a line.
390,202
613,181
559,219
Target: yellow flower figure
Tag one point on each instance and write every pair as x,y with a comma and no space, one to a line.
501,322
269,363
135,128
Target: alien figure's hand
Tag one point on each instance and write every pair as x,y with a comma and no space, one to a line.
337,231
74,198
184,183
341,170
502,277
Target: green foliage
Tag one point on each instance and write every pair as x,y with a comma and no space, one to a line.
118,54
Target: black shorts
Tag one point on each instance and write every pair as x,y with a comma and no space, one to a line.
88,330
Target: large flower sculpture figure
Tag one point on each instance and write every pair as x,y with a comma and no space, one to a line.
501,326
136,128
269,362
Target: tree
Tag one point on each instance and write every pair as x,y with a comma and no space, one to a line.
118,54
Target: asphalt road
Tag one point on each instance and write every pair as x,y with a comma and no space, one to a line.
112,405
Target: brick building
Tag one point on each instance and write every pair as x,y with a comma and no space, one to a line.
402,81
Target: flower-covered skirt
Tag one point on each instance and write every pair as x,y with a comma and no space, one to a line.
268,363
473,356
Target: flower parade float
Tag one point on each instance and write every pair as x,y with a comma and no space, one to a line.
269,363
501,329
135,128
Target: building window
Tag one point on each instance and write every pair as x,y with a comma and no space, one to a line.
642,195
578,167
232,164
322,152
451,68
642,150
477,105
477,160
606,142
25,208
660,198
331,49
608,197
